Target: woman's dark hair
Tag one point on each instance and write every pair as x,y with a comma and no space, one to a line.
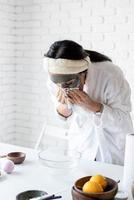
71,50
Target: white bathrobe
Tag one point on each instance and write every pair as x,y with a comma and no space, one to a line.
101,136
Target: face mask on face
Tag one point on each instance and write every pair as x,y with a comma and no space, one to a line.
72,84
66,81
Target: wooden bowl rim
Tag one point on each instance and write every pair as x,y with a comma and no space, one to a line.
97,193
17,153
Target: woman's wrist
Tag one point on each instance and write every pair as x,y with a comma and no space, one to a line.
96,107
64,111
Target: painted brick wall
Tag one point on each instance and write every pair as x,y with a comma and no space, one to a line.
103,25
7,70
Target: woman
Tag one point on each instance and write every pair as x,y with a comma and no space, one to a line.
94,94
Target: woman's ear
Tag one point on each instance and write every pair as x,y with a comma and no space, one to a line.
83,76
82,79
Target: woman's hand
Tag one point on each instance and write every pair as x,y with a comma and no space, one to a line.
61,96
82,99
62,108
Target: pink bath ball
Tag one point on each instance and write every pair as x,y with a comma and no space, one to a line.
8,166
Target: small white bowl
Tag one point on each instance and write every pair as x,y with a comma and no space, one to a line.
121,195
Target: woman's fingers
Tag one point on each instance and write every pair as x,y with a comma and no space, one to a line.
58,91
74,97
70,100
60,96
79,94
62,100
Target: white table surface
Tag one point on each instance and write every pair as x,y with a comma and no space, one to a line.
33,175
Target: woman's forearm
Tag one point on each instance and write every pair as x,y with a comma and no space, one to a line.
95,107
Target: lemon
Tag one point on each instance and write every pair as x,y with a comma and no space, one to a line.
99,179
93,187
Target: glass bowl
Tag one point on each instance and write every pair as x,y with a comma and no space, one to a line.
59,158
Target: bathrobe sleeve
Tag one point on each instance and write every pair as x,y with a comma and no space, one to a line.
115,121
117,105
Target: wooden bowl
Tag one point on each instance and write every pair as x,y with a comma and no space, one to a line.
108,194
16,157
78,196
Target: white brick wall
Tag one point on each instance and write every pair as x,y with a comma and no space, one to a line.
7,70
33,39
102,25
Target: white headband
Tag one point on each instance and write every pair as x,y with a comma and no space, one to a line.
66,66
